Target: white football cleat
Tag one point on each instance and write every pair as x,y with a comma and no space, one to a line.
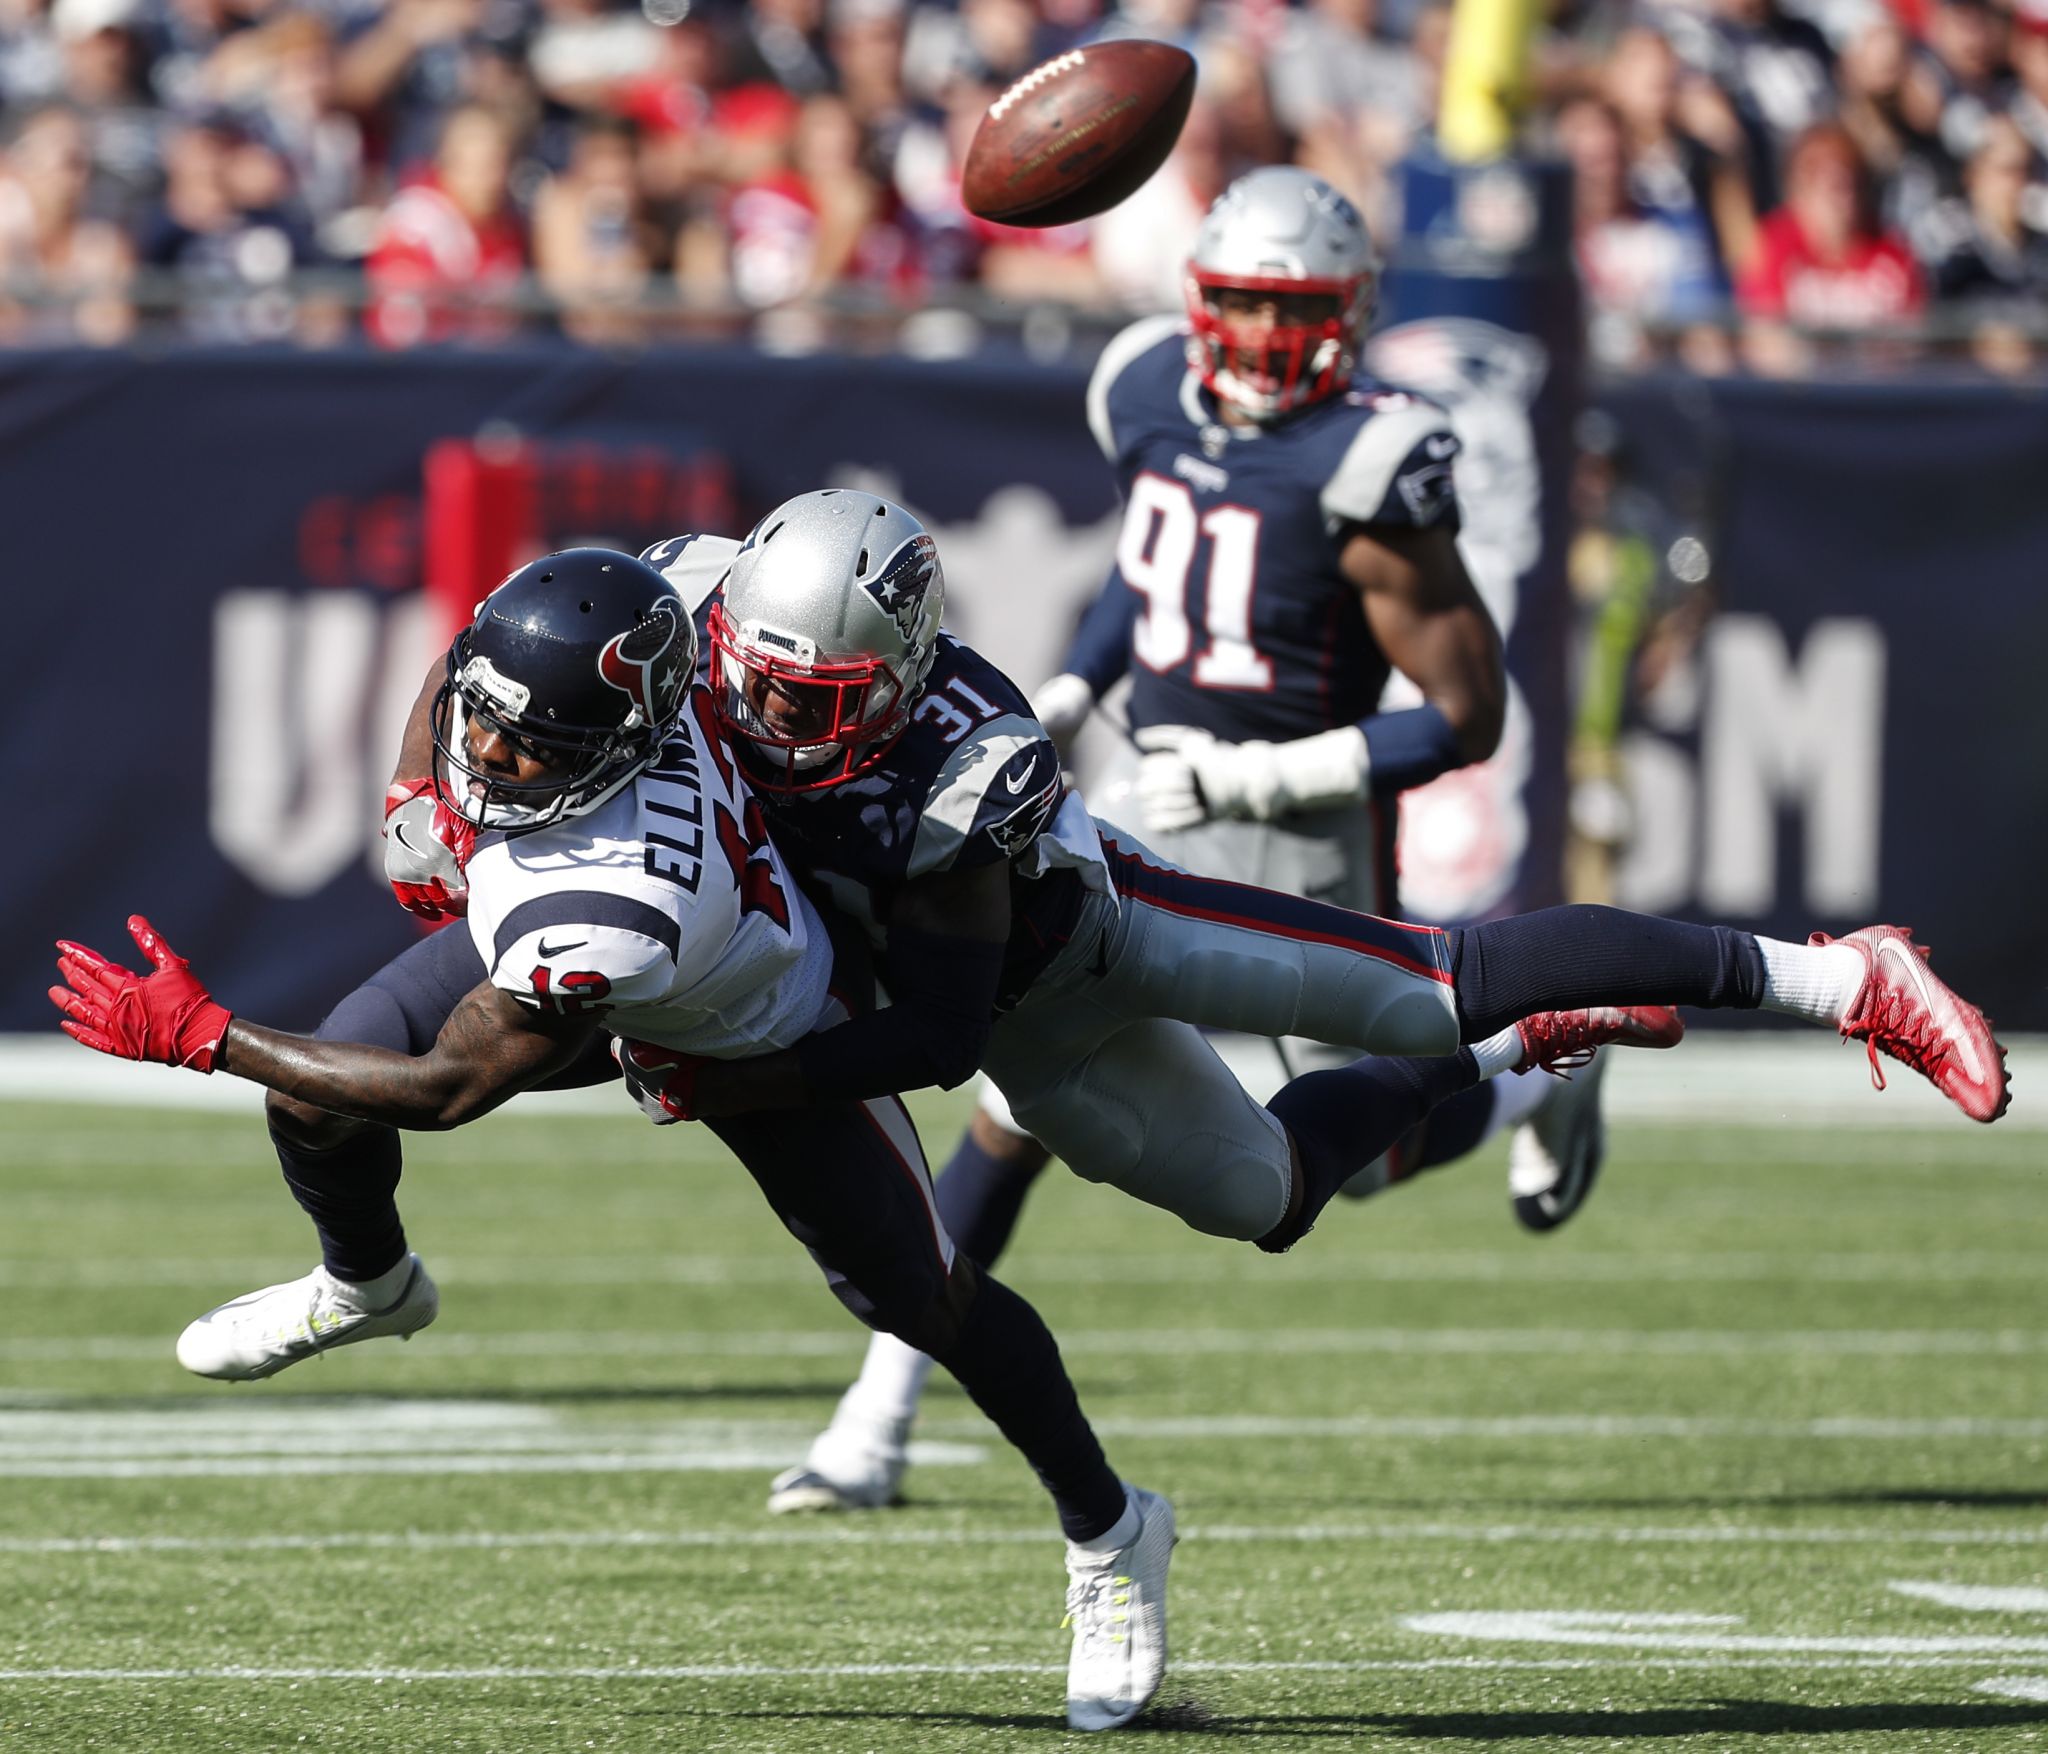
1554,1156
1116,1605
855,1463
269,1330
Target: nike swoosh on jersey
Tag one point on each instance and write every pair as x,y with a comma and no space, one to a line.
548,950
1014,786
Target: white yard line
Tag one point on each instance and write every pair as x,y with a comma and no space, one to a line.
668,1450
888,1671
1974,1598
1761,1078
1168,1342
1716,1633
101,1272
829,1535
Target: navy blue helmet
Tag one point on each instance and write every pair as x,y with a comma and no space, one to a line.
580,660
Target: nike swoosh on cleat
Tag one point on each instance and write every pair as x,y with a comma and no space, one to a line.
1904,955
548,950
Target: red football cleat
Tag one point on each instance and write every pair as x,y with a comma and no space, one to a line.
1907,1011
1561,1041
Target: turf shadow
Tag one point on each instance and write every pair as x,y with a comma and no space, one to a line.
1731,1717
1726,1717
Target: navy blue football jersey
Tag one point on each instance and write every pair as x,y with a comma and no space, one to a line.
1240,619
972,781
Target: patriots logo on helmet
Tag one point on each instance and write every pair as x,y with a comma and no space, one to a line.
644,664
901,586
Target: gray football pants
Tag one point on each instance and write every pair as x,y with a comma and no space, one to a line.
1104,1060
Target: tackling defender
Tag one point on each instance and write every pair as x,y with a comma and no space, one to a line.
909,779
1288,540
619,884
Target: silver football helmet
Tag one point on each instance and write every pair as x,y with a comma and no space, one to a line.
824,633
1280,285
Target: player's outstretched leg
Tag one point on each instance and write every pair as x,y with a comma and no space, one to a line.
1873,985
1559,1140
858,1461
853,1188
1338,1119
1227,955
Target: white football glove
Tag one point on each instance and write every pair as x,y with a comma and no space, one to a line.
1062,705
1187,776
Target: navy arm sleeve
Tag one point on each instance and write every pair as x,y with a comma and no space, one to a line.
942,1000
1101,651
1409,748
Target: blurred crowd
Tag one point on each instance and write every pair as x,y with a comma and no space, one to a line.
1755,179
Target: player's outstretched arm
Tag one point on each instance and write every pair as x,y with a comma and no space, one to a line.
427,843
490,1049
1428,619
416,743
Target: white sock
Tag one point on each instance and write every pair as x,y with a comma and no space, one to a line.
1118,1535
1517,1097
381,1292
1817,982
1498,1053
891,1380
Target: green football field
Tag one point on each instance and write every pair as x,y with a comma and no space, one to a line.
1754,1455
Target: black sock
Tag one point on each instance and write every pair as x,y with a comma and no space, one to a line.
1562,958
980,1197
1341,1120
1455,1126
350,1193
1008,1362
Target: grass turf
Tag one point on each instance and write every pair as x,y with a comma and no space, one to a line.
1766,1377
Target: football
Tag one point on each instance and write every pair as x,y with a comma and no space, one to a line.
1077,134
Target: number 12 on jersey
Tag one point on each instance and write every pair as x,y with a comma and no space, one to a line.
1155,552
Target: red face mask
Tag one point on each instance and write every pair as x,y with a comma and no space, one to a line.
1268,346
814,725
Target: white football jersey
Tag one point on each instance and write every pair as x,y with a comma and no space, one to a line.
668,906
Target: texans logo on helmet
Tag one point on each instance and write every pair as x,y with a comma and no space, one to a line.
900,586
644,665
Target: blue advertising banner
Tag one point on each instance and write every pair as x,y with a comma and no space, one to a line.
217,623
1853,726
218,627
1480,311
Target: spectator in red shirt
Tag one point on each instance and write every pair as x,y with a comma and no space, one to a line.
451,247
1821,260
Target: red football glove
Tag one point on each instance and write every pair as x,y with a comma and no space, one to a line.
662,1081
427,844
164,1016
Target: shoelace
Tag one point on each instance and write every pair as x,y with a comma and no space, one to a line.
327,1312
1098,1606
1884,1024
1561,1042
